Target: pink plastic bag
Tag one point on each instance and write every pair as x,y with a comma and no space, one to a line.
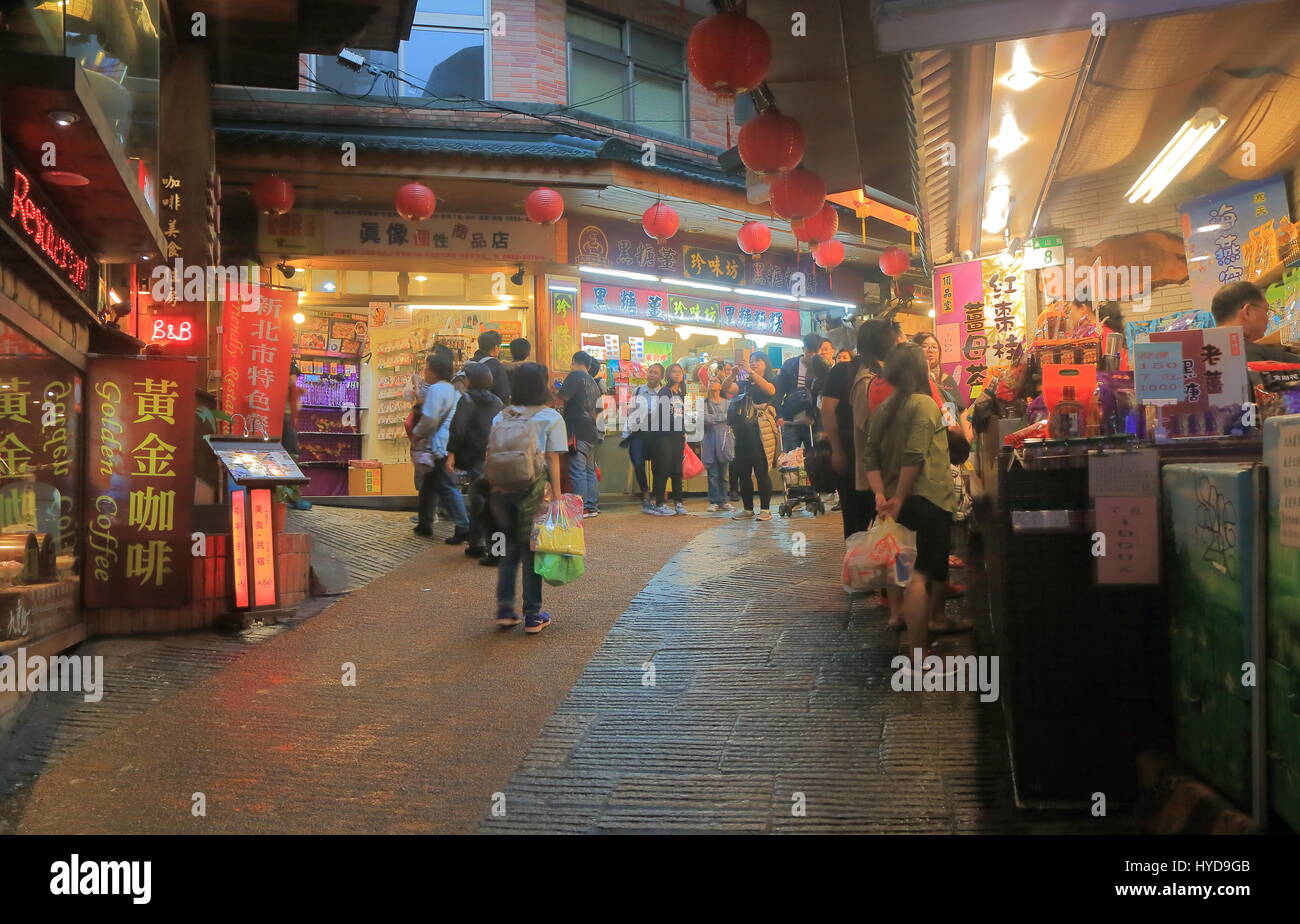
691,465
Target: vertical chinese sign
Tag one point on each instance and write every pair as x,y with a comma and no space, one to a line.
139,482
1004,311
562,322
256,350
959,324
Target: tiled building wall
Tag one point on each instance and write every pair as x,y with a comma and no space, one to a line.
75,334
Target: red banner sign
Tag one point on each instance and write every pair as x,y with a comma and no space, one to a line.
256,350
139,481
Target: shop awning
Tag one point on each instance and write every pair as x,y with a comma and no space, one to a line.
110,210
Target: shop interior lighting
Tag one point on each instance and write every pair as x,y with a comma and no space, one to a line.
113,297
1022,75
686,330
555,287
828,302
1009,137
63,118
1187,142
421,278
460,307
930,313
328,286
648,326
781,296
765,340
692,284
997,210
299,317
622,274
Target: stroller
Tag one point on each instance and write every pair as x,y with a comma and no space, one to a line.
800,477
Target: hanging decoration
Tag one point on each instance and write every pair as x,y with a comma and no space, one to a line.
728,53
797,194
273,194
754,238
544,206
415,202
818,227
660,221
894,261
771,143
828,254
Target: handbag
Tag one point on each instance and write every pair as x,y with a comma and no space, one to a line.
692,467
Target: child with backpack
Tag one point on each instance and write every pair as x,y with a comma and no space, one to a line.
524,449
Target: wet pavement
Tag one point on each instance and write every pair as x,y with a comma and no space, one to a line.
702,677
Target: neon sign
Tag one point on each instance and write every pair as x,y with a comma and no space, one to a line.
239,544
176,333
36,224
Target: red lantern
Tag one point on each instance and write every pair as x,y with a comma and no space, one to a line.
818,227
660,221
544,206
829,254
771,143
728,53
273,194
415,202
894,261
754,238
797,194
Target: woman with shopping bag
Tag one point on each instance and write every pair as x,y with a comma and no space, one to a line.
907,467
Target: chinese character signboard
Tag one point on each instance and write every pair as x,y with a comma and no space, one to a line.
713,266
562,323
661,307
256,348
1238,233
356,232
959,321
139,482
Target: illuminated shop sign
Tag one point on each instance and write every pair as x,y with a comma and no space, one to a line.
35,223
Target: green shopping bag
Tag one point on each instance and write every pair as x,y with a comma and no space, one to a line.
558,570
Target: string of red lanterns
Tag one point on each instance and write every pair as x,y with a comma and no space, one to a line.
818,227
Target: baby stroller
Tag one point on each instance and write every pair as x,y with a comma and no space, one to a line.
798,485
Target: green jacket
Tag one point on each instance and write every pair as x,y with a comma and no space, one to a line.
917,437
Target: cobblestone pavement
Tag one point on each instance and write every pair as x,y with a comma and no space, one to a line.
370,542
770,694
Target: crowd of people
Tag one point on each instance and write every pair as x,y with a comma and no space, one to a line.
494,440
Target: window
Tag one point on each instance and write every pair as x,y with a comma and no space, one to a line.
445,57
626,71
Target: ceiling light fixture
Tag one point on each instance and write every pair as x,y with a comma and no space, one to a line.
113,297
1187,142
421,278
764,340
460,307
1009,137
1204,228
328,286
997,209
299,317
828,302
1022,75
622,274
777,295
692,284
63,118
648,326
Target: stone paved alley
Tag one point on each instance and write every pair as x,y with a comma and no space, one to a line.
768,682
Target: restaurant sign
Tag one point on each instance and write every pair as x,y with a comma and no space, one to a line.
361,233
662,307
256,349
139,481
34,219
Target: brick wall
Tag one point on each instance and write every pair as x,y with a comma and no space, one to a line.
71,332
1089,209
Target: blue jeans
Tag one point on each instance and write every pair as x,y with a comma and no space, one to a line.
582,472
717,482
505,510
794,436
437,483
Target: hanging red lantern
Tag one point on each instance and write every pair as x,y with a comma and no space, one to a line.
797,194
771,143
544,206
415,202
894,261
728,54
754,238
818,227
829,254
273,194
660,221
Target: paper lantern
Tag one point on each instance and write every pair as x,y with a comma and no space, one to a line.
544,206
829,254
728,54
273,194
818,227
415,202
660,221
754,238
797,194
894,261
771,143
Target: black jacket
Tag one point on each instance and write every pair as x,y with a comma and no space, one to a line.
470,426
500,378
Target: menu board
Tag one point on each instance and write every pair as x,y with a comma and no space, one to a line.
254,462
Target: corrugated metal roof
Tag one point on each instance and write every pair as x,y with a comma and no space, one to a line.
934,175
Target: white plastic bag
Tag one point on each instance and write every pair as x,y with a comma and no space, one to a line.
881,556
